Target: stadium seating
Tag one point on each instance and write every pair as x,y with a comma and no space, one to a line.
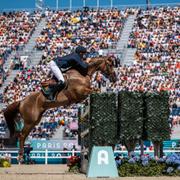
15,31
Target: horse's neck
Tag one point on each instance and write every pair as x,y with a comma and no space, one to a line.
95,66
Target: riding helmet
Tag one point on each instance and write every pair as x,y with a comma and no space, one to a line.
80,49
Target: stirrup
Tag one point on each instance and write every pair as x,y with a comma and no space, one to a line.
48,94
51,97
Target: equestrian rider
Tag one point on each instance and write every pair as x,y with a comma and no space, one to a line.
59,65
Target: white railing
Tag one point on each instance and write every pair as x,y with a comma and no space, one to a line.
68,153
44,154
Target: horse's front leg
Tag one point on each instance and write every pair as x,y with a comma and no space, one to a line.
90,90
22,137
96,90
21,148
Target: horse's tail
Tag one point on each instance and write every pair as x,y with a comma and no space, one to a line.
10,114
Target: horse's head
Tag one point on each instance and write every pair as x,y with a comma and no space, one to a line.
107,69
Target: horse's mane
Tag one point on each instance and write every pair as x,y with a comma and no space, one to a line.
98,58
92,61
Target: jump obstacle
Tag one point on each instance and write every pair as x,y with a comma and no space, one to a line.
127,118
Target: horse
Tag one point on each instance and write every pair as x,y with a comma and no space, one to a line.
32,107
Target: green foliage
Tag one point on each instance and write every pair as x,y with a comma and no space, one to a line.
103,119
137,169
83,125
148,166
136,116
157,115
4,163
130,115
175,173
74,169
74,164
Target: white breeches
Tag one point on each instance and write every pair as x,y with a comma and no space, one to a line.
56,71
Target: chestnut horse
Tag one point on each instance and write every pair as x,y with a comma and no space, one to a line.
34,105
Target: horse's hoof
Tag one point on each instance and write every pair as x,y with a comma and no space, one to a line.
82,120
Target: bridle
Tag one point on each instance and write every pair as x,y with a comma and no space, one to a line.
107,67
103,67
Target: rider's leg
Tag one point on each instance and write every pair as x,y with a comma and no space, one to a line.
61,82
56,71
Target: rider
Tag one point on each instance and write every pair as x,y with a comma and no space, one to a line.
61,64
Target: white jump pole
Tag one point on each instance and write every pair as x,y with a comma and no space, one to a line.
57,4
84,3
70,5
97,4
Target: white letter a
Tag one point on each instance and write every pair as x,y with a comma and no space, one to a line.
103,157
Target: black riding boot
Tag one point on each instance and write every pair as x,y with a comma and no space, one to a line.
56,88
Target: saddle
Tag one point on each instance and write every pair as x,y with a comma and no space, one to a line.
49,82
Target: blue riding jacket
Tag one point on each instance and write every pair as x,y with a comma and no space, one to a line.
73,61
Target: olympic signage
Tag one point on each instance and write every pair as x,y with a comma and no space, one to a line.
54,144
102,163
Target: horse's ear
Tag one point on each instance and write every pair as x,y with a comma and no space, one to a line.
109,59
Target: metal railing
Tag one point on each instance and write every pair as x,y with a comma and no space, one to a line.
44,154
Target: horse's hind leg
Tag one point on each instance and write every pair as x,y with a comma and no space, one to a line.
31,110
22,138
21,147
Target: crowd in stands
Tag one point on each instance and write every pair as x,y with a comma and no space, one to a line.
93,29
15,31
53,119
155,35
